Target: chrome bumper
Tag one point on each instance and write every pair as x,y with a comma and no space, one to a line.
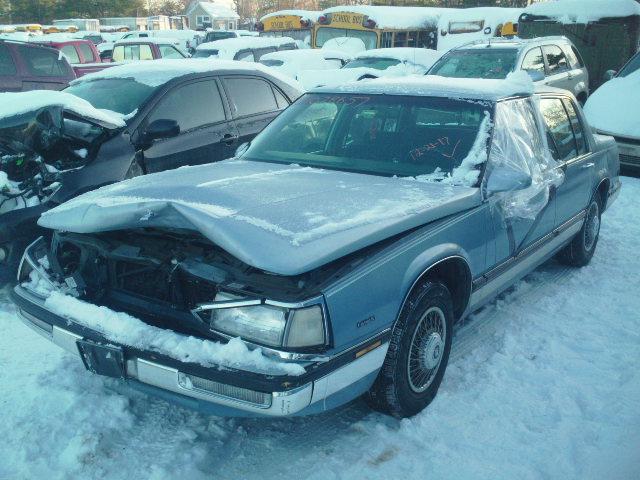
260,403
629,153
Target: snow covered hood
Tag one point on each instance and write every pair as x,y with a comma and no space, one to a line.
284,219
614,107
14,104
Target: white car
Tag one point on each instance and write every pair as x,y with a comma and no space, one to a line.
376,63
613,110
249,49
292,62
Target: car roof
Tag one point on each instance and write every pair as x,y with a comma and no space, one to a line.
512,43
517,85
154,40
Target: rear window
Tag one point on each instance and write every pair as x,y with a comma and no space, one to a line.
201,53
7,67
486,63
43,62
221,35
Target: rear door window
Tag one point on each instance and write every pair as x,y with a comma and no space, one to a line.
559,131
7,67
533,60
576,124
43,62
86,52
169,51
556,60
193,105
250,95
71,53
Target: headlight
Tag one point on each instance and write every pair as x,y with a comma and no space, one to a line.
268,325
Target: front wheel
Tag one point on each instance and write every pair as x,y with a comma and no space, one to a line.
418,353
581,249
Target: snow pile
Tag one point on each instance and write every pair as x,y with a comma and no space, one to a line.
12,104
419,56
126,330
395,17
613,108
583,11
305,15
292,62
486,19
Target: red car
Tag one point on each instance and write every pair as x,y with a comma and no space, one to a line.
28,66
81,54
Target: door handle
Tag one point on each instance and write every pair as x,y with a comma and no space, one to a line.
229,139
588,165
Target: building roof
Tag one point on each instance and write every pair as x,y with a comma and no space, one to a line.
215,10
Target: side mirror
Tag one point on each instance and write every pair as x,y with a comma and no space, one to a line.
609,74
507,179
161,128
536,75
242,148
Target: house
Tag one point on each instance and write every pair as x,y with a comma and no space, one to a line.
203,14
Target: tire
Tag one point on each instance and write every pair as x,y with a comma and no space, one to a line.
423,330
581,249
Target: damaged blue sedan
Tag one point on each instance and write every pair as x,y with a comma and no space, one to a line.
333,256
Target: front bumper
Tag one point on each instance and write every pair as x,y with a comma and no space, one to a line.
629,153
221,391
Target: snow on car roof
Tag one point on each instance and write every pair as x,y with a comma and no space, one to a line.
516,84
305,54
303,14
12,104
154,40
159,72
395,17
584,11
420,56
234,45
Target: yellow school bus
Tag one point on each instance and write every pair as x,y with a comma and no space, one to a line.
297,24
380,27
29,27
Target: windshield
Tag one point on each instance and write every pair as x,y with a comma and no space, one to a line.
122,95
378,134
489,63
370,39
631,66
373,62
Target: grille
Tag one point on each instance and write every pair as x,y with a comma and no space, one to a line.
191,382
629,160
178,288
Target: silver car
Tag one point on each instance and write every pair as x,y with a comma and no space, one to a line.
553,61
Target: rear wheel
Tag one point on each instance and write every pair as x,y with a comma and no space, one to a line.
418,353
581,249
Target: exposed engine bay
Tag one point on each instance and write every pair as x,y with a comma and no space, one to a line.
37,148
161,275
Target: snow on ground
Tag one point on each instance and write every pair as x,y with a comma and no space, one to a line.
542,384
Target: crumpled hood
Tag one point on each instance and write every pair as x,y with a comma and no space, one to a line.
284,219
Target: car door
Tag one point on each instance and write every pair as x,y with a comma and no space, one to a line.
569,147
517,137
558,73
9,79
254,103
206,134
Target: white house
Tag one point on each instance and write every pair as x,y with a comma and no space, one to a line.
204,14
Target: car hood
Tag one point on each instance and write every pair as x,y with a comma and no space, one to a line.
284,219
613,108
